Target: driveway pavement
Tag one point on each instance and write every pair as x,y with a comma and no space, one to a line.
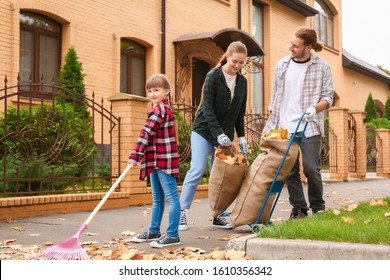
123,222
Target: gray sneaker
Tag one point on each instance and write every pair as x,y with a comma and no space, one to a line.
146,236
165,241
220,222
183,219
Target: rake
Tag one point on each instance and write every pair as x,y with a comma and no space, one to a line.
70,249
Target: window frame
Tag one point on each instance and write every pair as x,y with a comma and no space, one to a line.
129,56
324,15
37,32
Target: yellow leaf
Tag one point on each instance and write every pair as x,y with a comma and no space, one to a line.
351,207
217,255
336,212
129,255
348,220
387,214
378,202
127,233
229,237
235,255
18,228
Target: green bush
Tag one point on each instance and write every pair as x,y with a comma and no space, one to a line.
370,109
386,113
381,123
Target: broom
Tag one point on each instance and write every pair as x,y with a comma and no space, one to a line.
70,249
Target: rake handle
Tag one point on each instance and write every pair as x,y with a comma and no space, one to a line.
106,196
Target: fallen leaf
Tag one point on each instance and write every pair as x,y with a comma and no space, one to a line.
33,234
217,255
91,234
351,207
149,257
235,255
169,254
336,212
9,221
6,242
348,220
387,214
203,237
129,255
128,233
368,221
378,202
229,237
18,228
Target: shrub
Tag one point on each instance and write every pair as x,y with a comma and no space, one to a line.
370,109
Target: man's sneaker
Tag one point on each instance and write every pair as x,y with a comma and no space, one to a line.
318,209
146,236
183,219
165,242
220,222
298,213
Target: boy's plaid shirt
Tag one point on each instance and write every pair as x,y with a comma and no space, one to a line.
156,146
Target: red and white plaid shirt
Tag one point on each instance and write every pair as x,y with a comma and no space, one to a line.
156,146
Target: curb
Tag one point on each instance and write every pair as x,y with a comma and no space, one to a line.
287,249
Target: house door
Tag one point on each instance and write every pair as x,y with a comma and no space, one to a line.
199,71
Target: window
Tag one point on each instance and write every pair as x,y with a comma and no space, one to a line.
133,68
40,48
323,23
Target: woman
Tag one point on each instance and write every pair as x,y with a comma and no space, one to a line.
221,112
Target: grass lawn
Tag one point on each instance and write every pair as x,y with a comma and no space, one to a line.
367,222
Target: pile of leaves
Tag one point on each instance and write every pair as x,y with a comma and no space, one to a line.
277,134
122,251
234,158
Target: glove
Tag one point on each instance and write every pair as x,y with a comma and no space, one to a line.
243,145
223,140
310,113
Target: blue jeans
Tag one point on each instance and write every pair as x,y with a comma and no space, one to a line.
164,185
200,151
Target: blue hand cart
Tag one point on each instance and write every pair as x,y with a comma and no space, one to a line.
277,186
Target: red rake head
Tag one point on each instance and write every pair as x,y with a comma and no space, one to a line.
67,250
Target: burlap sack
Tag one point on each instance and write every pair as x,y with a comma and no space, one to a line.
258,180
224,184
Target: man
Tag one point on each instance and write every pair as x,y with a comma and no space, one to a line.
303,84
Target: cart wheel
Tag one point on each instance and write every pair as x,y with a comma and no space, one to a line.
255,228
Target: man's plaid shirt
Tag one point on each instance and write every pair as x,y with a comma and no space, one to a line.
156,146
318,85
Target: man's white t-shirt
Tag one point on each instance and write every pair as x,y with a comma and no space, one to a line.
290,110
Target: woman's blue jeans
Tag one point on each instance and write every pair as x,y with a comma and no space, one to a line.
200,151
164,185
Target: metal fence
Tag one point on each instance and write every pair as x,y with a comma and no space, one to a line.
53,140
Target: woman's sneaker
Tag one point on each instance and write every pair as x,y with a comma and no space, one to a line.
165,242
220,222
146,236
183,219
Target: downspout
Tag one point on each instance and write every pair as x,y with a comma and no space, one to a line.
163,25
239,14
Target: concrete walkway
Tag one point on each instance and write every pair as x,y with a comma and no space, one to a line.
116,223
